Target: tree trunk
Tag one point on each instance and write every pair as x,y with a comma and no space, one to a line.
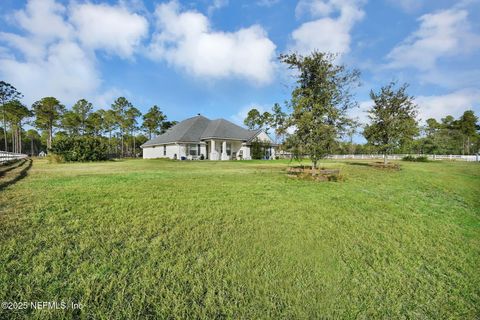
5,129
468,145
134,146
14,139
384,158
49,141
20,139
314,167
31,146
122,145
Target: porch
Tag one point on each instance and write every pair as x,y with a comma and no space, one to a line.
227,150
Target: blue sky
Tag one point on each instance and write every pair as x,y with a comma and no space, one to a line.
218,57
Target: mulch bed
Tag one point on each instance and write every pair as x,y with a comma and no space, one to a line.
385,166
321,174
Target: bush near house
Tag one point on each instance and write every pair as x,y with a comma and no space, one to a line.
80,148
257,149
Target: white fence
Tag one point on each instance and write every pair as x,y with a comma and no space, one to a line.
400,156
7,156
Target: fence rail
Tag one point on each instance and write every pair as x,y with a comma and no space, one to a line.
7,156
400,156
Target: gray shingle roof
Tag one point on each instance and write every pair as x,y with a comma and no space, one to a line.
199,128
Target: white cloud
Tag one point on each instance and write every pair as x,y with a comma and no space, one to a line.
67,73
407,5
110,28
266,3
455,103
360,114
53,57
330,32
186,39
44,19
240,116
441,34
216,4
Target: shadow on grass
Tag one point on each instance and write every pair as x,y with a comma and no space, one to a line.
21,174
365,164
11,167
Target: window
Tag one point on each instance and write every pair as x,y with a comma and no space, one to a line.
164,149
192,150
229,148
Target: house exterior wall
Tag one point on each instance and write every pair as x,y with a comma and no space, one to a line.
239,150
262,136
158,152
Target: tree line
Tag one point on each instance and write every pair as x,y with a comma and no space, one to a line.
317,122
122,127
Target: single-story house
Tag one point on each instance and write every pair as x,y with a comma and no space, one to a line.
202,138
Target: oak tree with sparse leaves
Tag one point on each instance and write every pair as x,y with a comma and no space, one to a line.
320,101
393,120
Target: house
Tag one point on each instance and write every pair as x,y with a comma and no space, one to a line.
202,138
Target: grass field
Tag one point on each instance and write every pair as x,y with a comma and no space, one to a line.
147,239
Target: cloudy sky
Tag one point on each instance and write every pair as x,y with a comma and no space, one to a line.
219,57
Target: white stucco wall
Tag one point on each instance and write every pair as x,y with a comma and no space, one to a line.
180,149
157,152
246,152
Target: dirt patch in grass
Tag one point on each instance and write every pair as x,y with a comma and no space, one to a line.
386,166
321,174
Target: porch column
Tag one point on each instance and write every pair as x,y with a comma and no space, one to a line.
213,152
224,151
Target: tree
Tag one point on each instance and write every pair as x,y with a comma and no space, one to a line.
392,119
278,121
120,107
71,123
319,102
254,119
94,124
132,114
109,124
15,113
32,135
266,120
153,120
467,125
82,109
48,112
167,125
351,130
7,93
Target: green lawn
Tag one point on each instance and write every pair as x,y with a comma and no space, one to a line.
154,239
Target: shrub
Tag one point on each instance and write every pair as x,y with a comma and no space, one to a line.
258,148
80,148
422,159
415,159
55,158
